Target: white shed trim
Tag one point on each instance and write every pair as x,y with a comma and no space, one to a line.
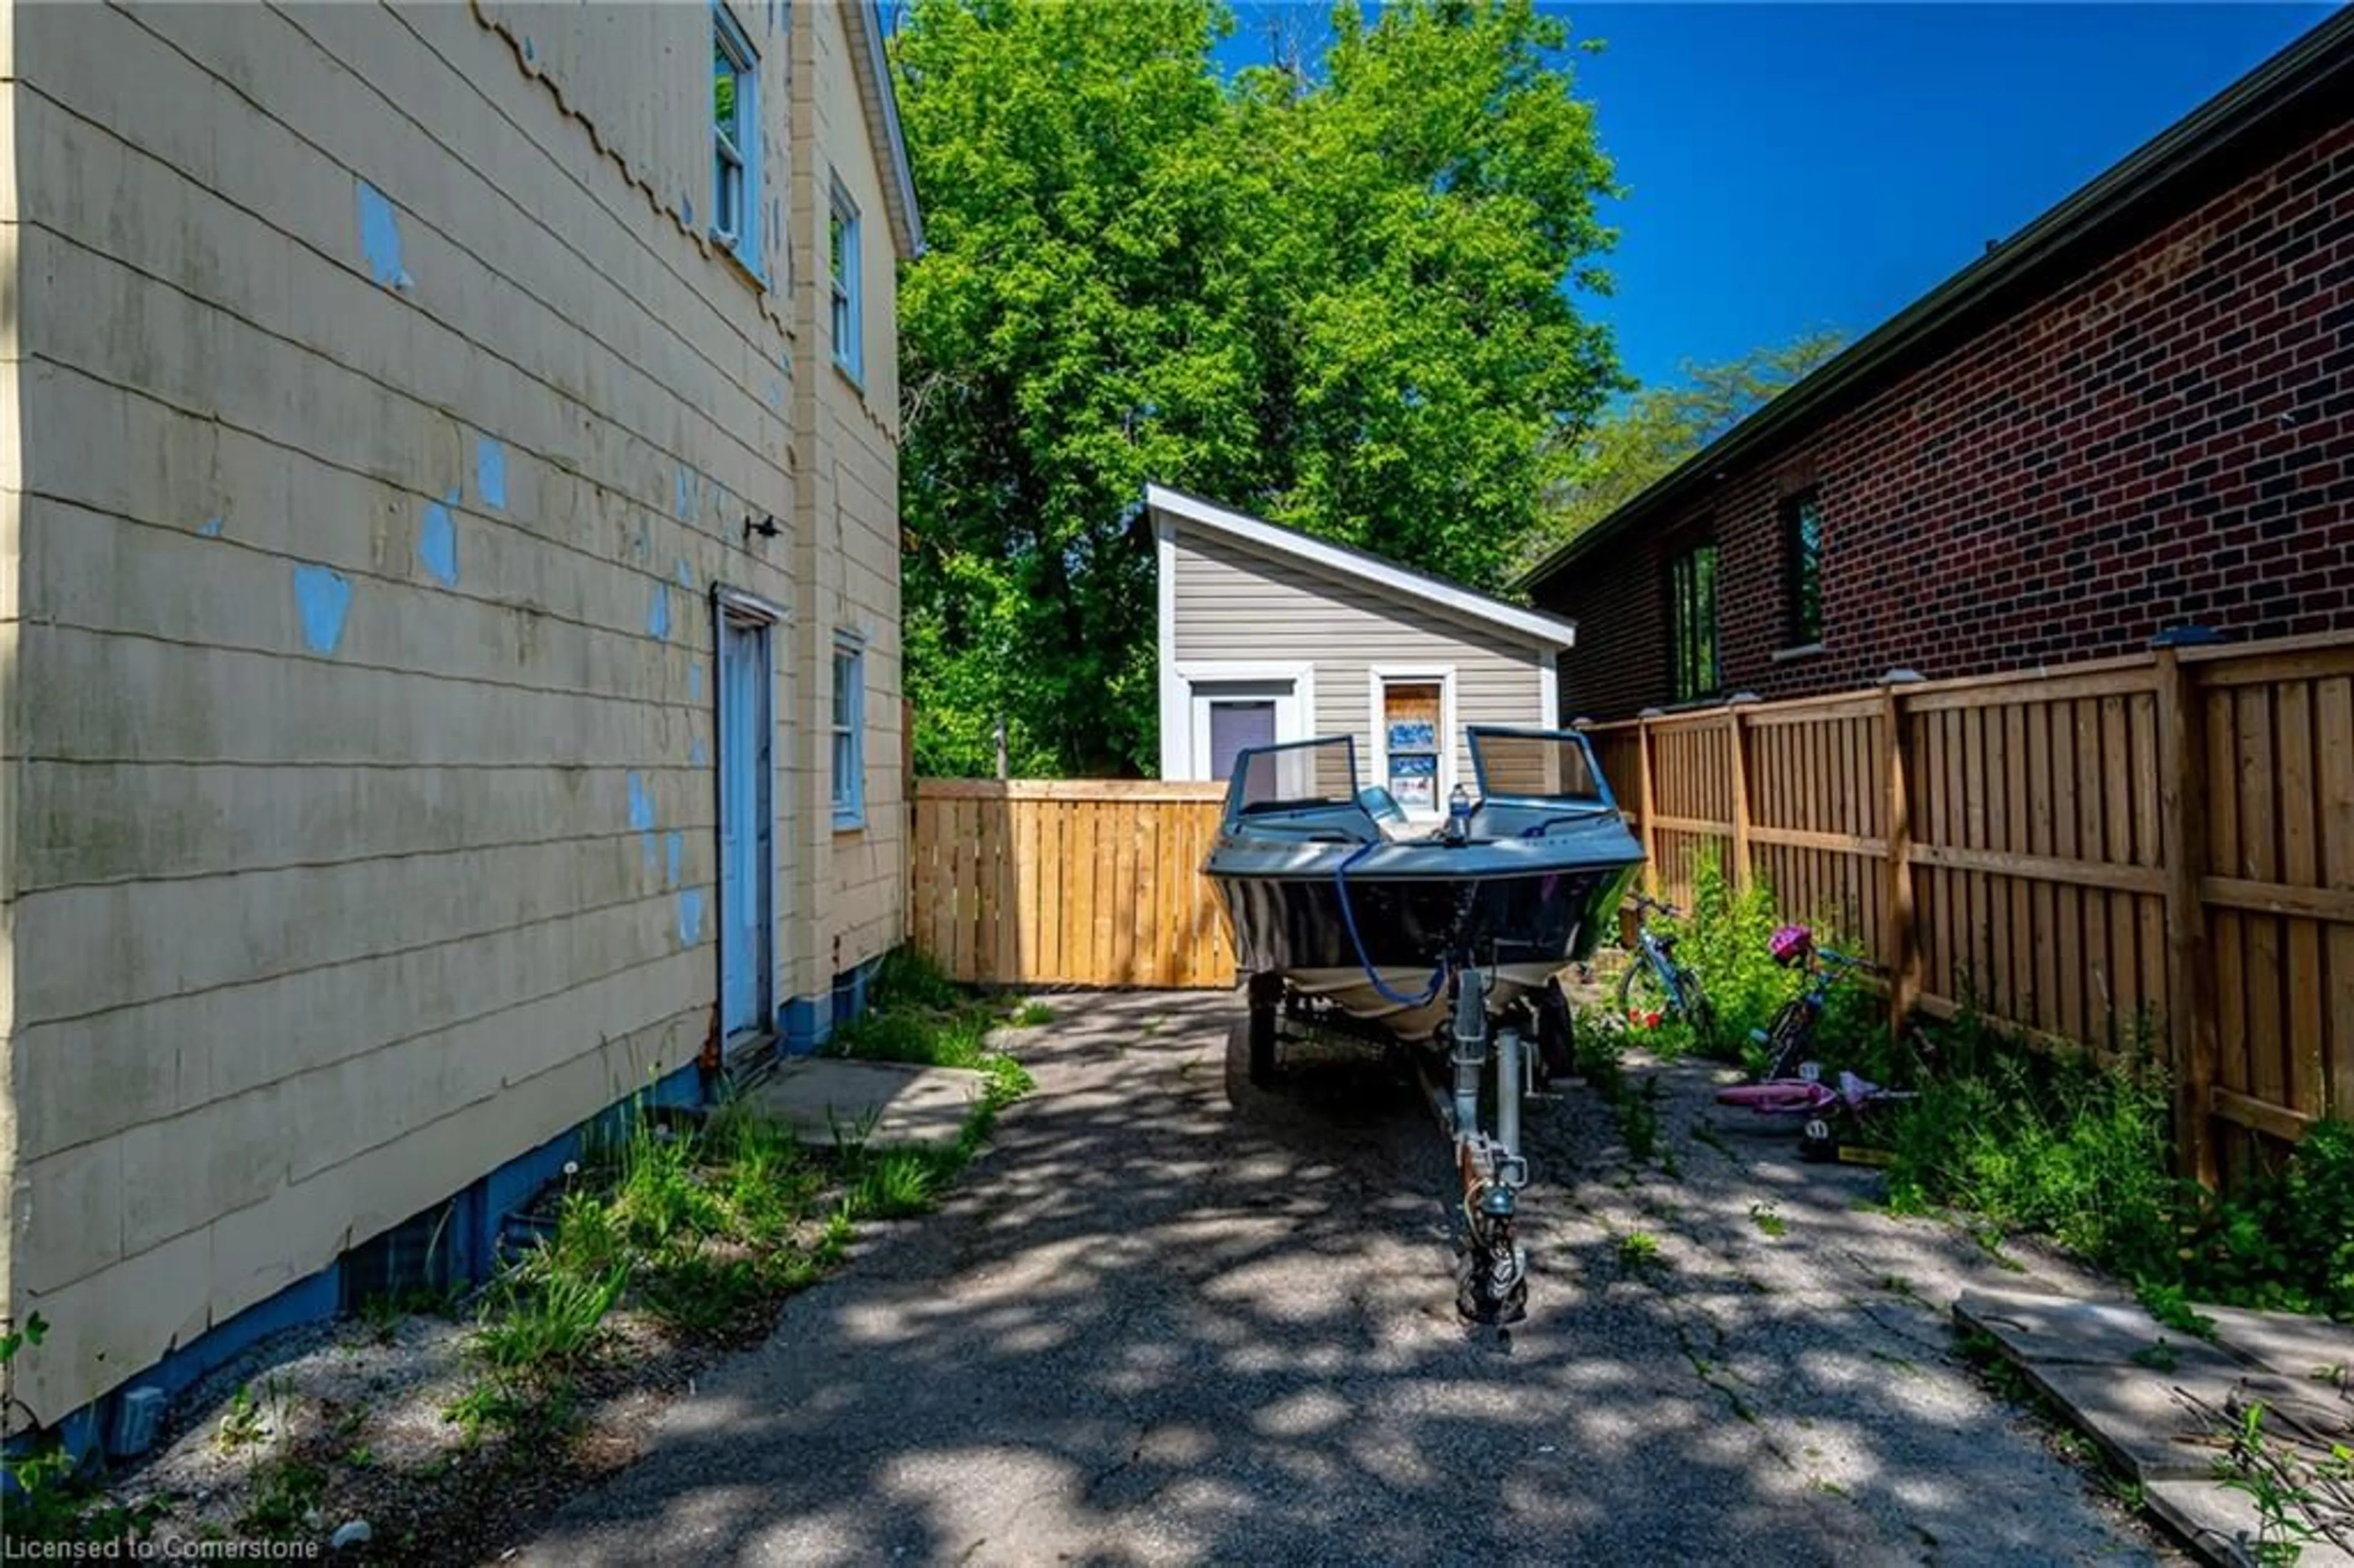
1547,631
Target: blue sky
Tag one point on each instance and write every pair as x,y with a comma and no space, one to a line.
1789,166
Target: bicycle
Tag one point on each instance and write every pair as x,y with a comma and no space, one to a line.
1657,984
1787,1038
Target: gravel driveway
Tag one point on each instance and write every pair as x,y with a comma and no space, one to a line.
1145,1330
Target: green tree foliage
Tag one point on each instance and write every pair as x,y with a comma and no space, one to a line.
1336,301
1651,433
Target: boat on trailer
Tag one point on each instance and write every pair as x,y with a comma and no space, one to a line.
1444,942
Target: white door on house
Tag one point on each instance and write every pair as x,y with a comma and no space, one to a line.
747,885
1230,716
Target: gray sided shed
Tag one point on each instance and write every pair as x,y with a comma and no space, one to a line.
1268,634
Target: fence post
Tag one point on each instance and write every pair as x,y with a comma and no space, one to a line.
1897,939
1740,739
1650,809
2189,984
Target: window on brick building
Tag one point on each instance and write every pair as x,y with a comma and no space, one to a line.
1692,623
1802,525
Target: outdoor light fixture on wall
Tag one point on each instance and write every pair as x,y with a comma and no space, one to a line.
765,527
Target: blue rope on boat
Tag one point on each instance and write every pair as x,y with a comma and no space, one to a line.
1349,919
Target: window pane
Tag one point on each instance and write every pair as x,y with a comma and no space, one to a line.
723,91
845,769
1235,726
837,248
1806,570
845,681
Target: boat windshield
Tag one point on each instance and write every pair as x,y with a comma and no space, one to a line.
1301,776
1536,765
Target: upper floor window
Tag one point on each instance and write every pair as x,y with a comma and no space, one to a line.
842,267
1803,526
735,138
1691,623
849,730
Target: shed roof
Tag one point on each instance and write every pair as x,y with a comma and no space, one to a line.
1532,625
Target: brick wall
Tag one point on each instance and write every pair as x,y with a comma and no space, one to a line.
2167,436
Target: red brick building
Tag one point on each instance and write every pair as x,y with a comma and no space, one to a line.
2136,414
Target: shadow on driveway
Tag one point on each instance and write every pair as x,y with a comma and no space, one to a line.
1147,1330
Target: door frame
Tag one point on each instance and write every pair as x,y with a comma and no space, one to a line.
1185,753
749,611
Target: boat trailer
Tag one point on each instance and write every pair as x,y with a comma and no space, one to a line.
1490,1063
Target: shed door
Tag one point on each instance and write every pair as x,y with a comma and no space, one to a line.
1229,715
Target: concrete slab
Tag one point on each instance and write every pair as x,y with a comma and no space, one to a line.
898,1104
2221,1524
2287,1344
2133,1414
2037,1327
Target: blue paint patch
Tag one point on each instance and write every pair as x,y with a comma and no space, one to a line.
695,681
641,805
529,54
698,754
686,577
677,851
645,543
658,612
324,596
648,849
436,541
380,237
776,394
678,491
690,916
688,204
491,471
210,528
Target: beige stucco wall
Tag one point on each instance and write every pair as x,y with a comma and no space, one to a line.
1237,605
310,931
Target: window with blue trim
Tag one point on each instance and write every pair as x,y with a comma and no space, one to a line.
735,139
841,262
849,731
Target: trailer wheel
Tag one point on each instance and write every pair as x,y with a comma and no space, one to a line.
1243,1088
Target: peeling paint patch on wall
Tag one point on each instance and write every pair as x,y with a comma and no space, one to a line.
677,851
679,500
380,237
695,681
641,805
698,754
323,596
686,577
210,528
437,540
491,471
690,916
658,612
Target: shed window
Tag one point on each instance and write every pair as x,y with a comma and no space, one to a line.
1692,623
1803,525
735,137
1413,742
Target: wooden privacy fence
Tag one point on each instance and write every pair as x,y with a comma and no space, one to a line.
2168,836
1068,882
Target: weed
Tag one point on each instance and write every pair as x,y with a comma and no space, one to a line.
1769,1220
902,1182
1031,1014
1638,1249
547,1318
2283,1500
2158,1356
2170,1306
1639,1121
241,1424
284,1497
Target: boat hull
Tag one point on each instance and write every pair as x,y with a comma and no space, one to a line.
1524,926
